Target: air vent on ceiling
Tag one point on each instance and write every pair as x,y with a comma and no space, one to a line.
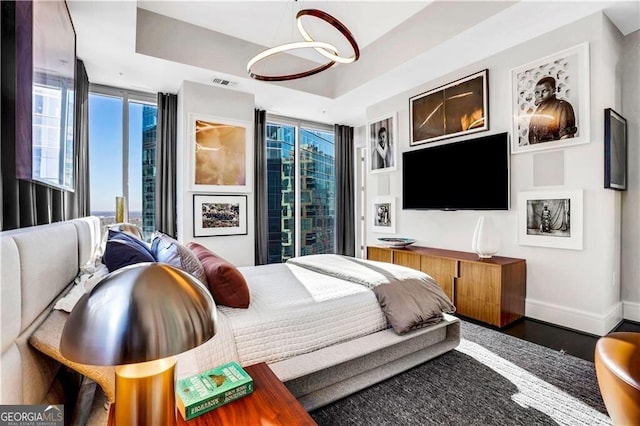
223,82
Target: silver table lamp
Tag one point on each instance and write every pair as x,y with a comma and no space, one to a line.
138,318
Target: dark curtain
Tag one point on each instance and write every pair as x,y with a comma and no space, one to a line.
345,196
165,212
78,203
261,200
25,203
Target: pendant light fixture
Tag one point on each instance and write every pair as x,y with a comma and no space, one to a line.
326,49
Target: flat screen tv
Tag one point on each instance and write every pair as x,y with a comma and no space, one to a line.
468,175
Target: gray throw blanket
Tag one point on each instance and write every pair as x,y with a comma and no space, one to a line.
410,299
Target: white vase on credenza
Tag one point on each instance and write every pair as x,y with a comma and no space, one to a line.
485,242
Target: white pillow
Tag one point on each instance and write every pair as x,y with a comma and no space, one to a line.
87,278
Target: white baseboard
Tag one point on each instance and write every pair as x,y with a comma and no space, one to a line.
631,311
584,321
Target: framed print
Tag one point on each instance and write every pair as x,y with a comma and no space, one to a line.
550,101
219,154
455,109
384,214
615,150
215,215
550,219
383,144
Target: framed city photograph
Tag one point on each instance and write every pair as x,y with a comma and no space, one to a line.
220,154
550,219
382,143
615,150
215,215
550,101
384,214
455,109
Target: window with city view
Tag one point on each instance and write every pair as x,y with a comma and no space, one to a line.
122,162
301,191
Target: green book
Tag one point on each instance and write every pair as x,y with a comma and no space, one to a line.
209,390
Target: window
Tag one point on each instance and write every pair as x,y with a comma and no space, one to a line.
122,151
53,135
301,189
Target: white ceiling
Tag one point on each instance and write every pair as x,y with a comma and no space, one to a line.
392,58
272,23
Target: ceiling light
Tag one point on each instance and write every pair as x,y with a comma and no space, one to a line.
325,49
337,25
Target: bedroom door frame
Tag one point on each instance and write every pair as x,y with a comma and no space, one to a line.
360,191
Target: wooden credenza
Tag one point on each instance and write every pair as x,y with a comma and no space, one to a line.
488,290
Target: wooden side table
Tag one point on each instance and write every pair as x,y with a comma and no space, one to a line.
270,403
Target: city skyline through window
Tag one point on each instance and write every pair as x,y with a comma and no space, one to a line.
301,191
114,174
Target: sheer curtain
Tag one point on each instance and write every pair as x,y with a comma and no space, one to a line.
262,224
345,193
165,210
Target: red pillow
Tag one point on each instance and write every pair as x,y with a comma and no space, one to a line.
227,285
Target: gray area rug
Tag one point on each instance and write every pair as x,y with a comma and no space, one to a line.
490,379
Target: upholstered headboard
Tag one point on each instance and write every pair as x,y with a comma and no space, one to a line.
37,265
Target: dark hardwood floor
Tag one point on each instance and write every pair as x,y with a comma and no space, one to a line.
572,342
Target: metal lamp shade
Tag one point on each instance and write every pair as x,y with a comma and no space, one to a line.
139,313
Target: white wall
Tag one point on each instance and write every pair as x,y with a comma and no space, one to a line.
221,104
576,289
630,93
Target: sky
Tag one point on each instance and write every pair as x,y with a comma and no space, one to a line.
105,153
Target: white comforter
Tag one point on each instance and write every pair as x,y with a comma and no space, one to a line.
293,311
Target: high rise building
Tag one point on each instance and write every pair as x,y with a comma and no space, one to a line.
316,188
149,126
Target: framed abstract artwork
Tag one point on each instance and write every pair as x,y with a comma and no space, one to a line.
215,215
455,109
382,143
550,101
219,150
384,214
615,150
550,219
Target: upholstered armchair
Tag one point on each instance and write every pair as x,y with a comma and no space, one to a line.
617,360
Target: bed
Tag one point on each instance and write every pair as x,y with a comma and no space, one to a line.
323,335
322,330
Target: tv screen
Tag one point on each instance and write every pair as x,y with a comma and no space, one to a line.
467,175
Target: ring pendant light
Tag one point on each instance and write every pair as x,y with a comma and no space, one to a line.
326,49
283,48
337,25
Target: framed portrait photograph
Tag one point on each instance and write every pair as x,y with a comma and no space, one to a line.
550,101
215,215
550,219
219,150
455,109
382,143
383,213
615,150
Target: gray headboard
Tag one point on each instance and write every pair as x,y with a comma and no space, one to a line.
37,264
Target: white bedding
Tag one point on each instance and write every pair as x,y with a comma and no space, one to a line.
294,311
